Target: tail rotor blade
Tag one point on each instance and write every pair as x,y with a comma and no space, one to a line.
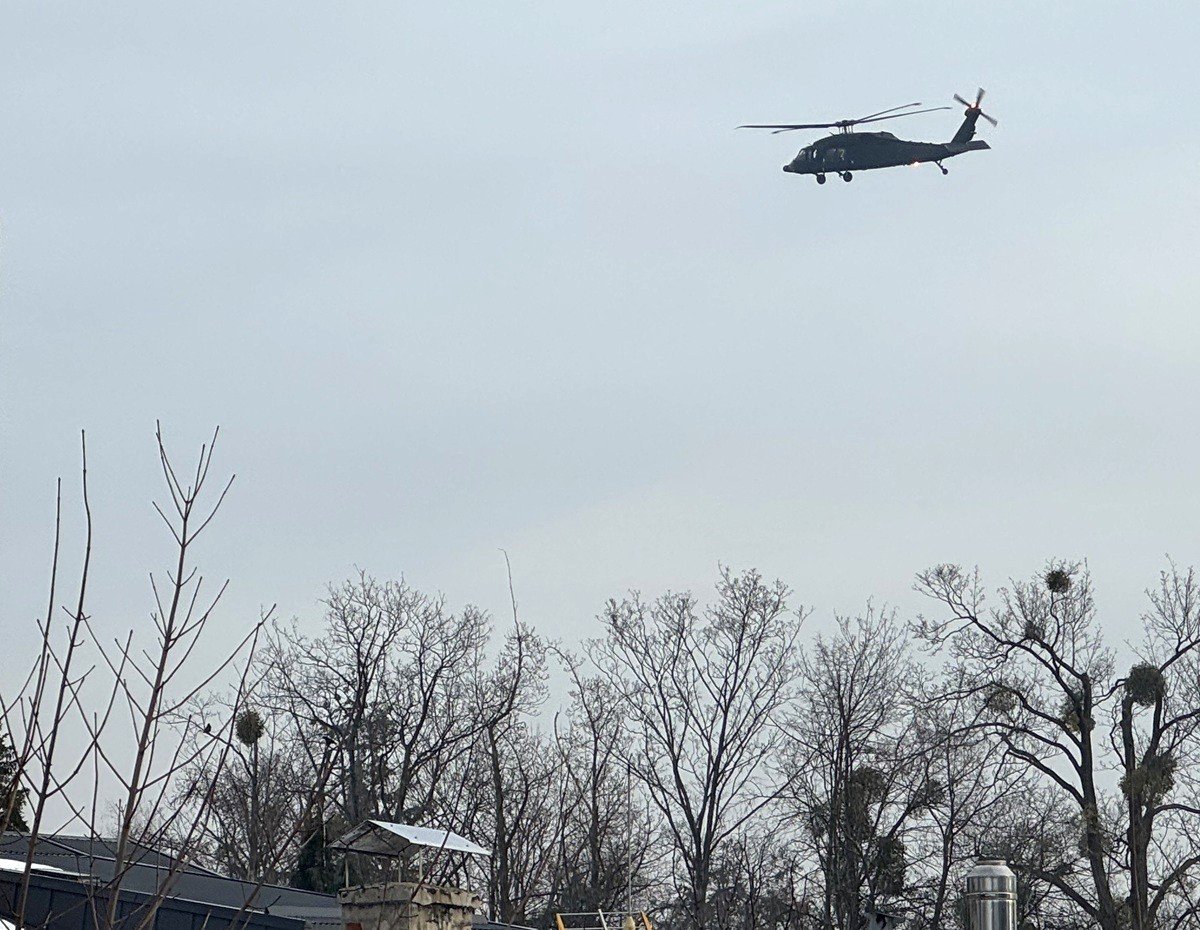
960,100
988,118
979,97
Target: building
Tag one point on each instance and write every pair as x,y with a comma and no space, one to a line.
71,872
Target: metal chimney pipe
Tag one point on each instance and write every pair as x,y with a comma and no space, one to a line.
991,896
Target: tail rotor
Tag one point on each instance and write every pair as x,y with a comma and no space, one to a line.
974,108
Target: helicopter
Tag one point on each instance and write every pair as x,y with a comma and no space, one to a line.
846,150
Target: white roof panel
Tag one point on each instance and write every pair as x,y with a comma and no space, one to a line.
381,838
18,865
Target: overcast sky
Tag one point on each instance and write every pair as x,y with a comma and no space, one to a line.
455,277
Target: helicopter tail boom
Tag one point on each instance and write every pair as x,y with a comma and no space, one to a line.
966,132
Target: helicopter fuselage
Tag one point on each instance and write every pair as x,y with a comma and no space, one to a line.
844,152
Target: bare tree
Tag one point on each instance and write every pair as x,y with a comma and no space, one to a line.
151,684
703,688
398,691
1040,664
859,775
604,859
331,686
505,790
263,797
968,779
395,683
1035,828
519,802
761,882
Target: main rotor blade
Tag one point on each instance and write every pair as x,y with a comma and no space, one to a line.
892,110
844,123
879,119
787,127
960,100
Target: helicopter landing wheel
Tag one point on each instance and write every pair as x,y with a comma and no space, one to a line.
820,179
847,176
945,170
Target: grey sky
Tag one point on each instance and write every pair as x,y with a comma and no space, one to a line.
453,277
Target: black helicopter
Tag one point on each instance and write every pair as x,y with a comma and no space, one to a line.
847,151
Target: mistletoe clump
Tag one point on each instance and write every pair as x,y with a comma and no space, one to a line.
890,864
1058,581
1152,780
1145,684
868,784
931,794
818,820
1090,823
1070,714
1001,700
249,727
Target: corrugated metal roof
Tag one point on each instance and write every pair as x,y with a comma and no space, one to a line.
93,857
67,902
18,865
150,870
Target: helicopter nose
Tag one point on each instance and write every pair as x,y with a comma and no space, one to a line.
788,168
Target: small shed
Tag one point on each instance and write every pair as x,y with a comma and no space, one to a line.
381,838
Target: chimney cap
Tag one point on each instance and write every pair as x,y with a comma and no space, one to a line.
990,876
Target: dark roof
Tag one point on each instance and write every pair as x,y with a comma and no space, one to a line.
192,885
149,869
64,851
67,902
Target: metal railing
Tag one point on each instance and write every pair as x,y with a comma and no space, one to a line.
603,920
